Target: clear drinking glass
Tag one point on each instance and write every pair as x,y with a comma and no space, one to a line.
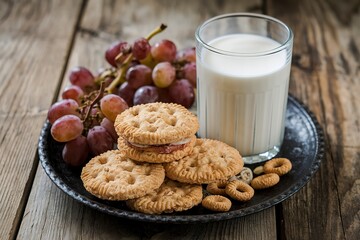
243,67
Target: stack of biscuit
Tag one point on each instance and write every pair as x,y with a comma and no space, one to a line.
160,164
156,132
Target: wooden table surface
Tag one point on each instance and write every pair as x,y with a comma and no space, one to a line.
41,40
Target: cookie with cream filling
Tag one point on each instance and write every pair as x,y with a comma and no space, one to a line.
157,153
156,132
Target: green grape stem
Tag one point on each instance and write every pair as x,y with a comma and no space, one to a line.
125,65
120,74
157,30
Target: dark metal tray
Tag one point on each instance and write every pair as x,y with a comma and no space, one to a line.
303,145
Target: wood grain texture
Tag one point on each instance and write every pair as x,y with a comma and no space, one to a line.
326,76
34,41
50,214
35,37
127,20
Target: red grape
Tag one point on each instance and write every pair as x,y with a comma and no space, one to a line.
111,105
67,128
73,92
82,78
75,152
146,94
115,49
182,92
189,71
141,48
99,140
138,76
163,74
164,51
109,126
61,108
164,95
126,92
187,55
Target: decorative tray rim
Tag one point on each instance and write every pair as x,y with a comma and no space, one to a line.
179,217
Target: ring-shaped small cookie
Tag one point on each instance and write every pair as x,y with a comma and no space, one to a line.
239,190
217,188
216,203
280,166
265,181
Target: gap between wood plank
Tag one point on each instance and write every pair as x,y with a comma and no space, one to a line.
25,196
280,233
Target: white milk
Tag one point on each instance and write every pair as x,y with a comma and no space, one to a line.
242,100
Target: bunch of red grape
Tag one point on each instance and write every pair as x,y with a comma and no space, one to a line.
156,73
139,73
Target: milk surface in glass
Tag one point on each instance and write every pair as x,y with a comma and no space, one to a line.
242,100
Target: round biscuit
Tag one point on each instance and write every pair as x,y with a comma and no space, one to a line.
156,123
112,176
172,196
153,157
209,161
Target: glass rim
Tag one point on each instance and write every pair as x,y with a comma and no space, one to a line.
253,15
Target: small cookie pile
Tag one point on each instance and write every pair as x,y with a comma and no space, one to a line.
237,188
160,165
241,187
270,173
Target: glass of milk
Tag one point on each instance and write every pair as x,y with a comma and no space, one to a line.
243,67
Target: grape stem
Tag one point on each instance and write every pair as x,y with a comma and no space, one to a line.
122,53
104,75
157,30
125,65
95,101
120,74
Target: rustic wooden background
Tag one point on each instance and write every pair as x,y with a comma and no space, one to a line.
41,40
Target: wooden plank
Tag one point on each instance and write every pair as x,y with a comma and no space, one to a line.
34,41
50,213
325,75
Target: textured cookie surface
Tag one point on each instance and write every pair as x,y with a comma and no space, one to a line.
112,176
156,123
209,161
153,157
170,197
